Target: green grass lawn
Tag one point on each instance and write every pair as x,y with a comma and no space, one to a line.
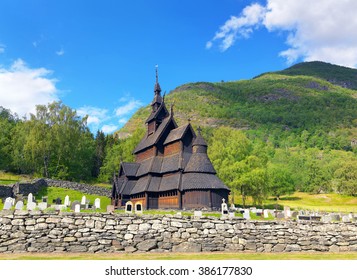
317,202
181,256
55,192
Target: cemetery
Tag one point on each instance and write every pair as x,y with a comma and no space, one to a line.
63,225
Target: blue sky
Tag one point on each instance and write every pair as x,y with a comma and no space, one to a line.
99,57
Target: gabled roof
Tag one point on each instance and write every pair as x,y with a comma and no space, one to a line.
154,185
199,181
199,162
155,114
150,140
130,168
178,133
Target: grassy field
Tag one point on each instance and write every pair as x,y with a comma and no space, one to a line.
181,256
317,202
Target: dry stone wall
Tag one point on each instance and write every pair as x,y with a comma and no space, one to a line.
33,187
36,231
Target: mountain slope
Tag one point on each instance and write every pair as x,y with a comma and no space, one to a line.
339,75
271,101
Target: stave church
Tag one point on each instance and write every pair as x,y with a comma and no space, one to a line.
171,169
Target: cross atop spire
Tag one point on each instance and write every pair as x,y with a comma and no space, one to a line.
157,88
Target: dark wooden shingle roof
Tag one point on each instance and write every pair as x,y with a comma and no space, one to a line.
199,181
150,140
130,168
177,134
199,162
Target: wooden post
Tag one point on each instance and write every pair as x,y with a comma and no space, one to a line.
146,201
179,194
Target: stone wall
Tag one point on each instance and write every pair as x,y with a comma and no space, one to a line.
5,191
23,231
34,186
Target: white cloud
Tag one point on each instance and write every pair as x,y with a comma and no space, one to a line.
95,115
122,120
316,30
2,48
236,27
109,128
128,108
22,88
60,52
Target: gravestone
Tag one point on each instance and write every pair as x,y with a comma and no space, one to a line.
232,208
197,214
129,207
8,203
246,214
224,207
139,208
231,215
97,203
42,205
346,219
335,217
31,205
304,218
259,212
266,213
66,201
83,201
280,215
74,203
294,214
326,219
77,208
287,212
110,208
19,205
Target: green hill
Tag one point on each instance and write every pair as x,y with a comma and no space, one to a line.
285,102
339,75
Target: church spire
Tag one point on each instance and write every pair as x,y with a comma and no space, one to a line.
155,104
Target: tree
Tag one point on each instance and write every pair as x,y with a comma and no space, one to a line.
280,180
100,144
346,177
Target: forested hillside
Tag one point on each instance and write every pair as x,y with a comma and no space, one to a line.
274,134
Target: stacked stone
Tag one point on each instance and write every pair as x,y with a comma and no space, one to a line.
36,231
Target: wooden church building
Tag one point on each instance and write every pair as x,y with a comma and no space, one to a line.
172,169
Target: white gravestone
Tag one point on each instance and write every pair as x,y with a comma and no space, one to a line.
8,203
42,205
138,208
83,201
129,207
232,208
77,208
266,213
66,201
231,215
224,207
246,214
97,203
30,204
287,212
19,205
197,214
